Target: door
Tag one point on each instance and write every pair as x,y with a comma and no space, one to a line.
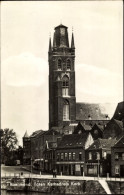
121,170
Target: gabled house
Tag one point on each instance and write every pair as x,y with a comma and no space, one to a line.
70,153
49,156
117,158
97,131
113,129
98,157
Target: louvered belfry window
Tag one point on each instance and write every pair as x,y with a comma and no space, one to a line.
65,86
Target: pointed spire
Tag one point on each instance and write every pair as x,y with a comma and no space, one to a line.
50,46
54,40
26,134
72,42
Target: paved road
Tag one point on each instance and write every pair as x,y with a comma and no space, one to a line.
11,170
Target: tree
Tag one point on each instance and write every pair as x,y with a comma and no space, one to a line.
9,144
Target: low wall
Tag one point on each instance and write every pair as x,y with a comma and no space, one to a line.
53,185
116,187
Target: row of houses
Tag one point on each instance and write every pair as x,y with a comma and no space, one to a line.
88,147
81,155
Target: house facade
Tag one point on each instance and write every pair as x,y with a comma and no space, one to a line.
117,158
98,157
70,154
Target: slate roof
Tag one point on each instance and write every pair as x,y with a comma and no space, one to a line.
73,140
51,132
37,133
86,127
119,112
102,144
120,143
96,111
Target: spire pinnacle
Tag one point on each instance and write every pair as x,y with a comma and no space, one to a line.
72,41
54,40
50,47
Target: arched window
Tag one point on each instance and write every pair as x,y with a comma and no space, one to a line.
66,110
59,64
65,86
68,64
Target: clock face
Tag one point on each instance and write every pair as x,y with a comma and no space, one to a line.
62,30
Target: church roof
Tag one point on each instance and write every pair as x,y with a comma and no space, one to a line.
87,111
102,144
119,112
73,140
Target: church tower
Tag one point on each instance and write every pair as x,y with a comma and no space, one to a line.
62,100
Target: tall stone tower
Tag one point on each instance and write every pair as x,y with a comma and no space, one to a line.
62,100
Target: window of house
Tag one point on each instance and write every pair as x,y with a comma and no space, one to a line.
65,86
122,156
90,156
97,156
62,156
80,155
116,156
58,155
73,155
66,156
68,64
116,169
96,132
66,110
59,64
104,155
69,156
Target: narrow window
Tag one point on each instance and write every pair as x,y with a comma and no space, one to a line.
68,64
116,169
66,156
62,156
90,156
116,156
80,155
73,155
97,156
59,64
66,110
69,156
104,154
65,86
58,156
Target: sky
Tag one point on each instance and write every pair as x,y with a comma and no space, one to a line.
25,30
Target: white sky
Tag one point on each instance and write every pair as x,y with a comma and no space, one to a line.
25,29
